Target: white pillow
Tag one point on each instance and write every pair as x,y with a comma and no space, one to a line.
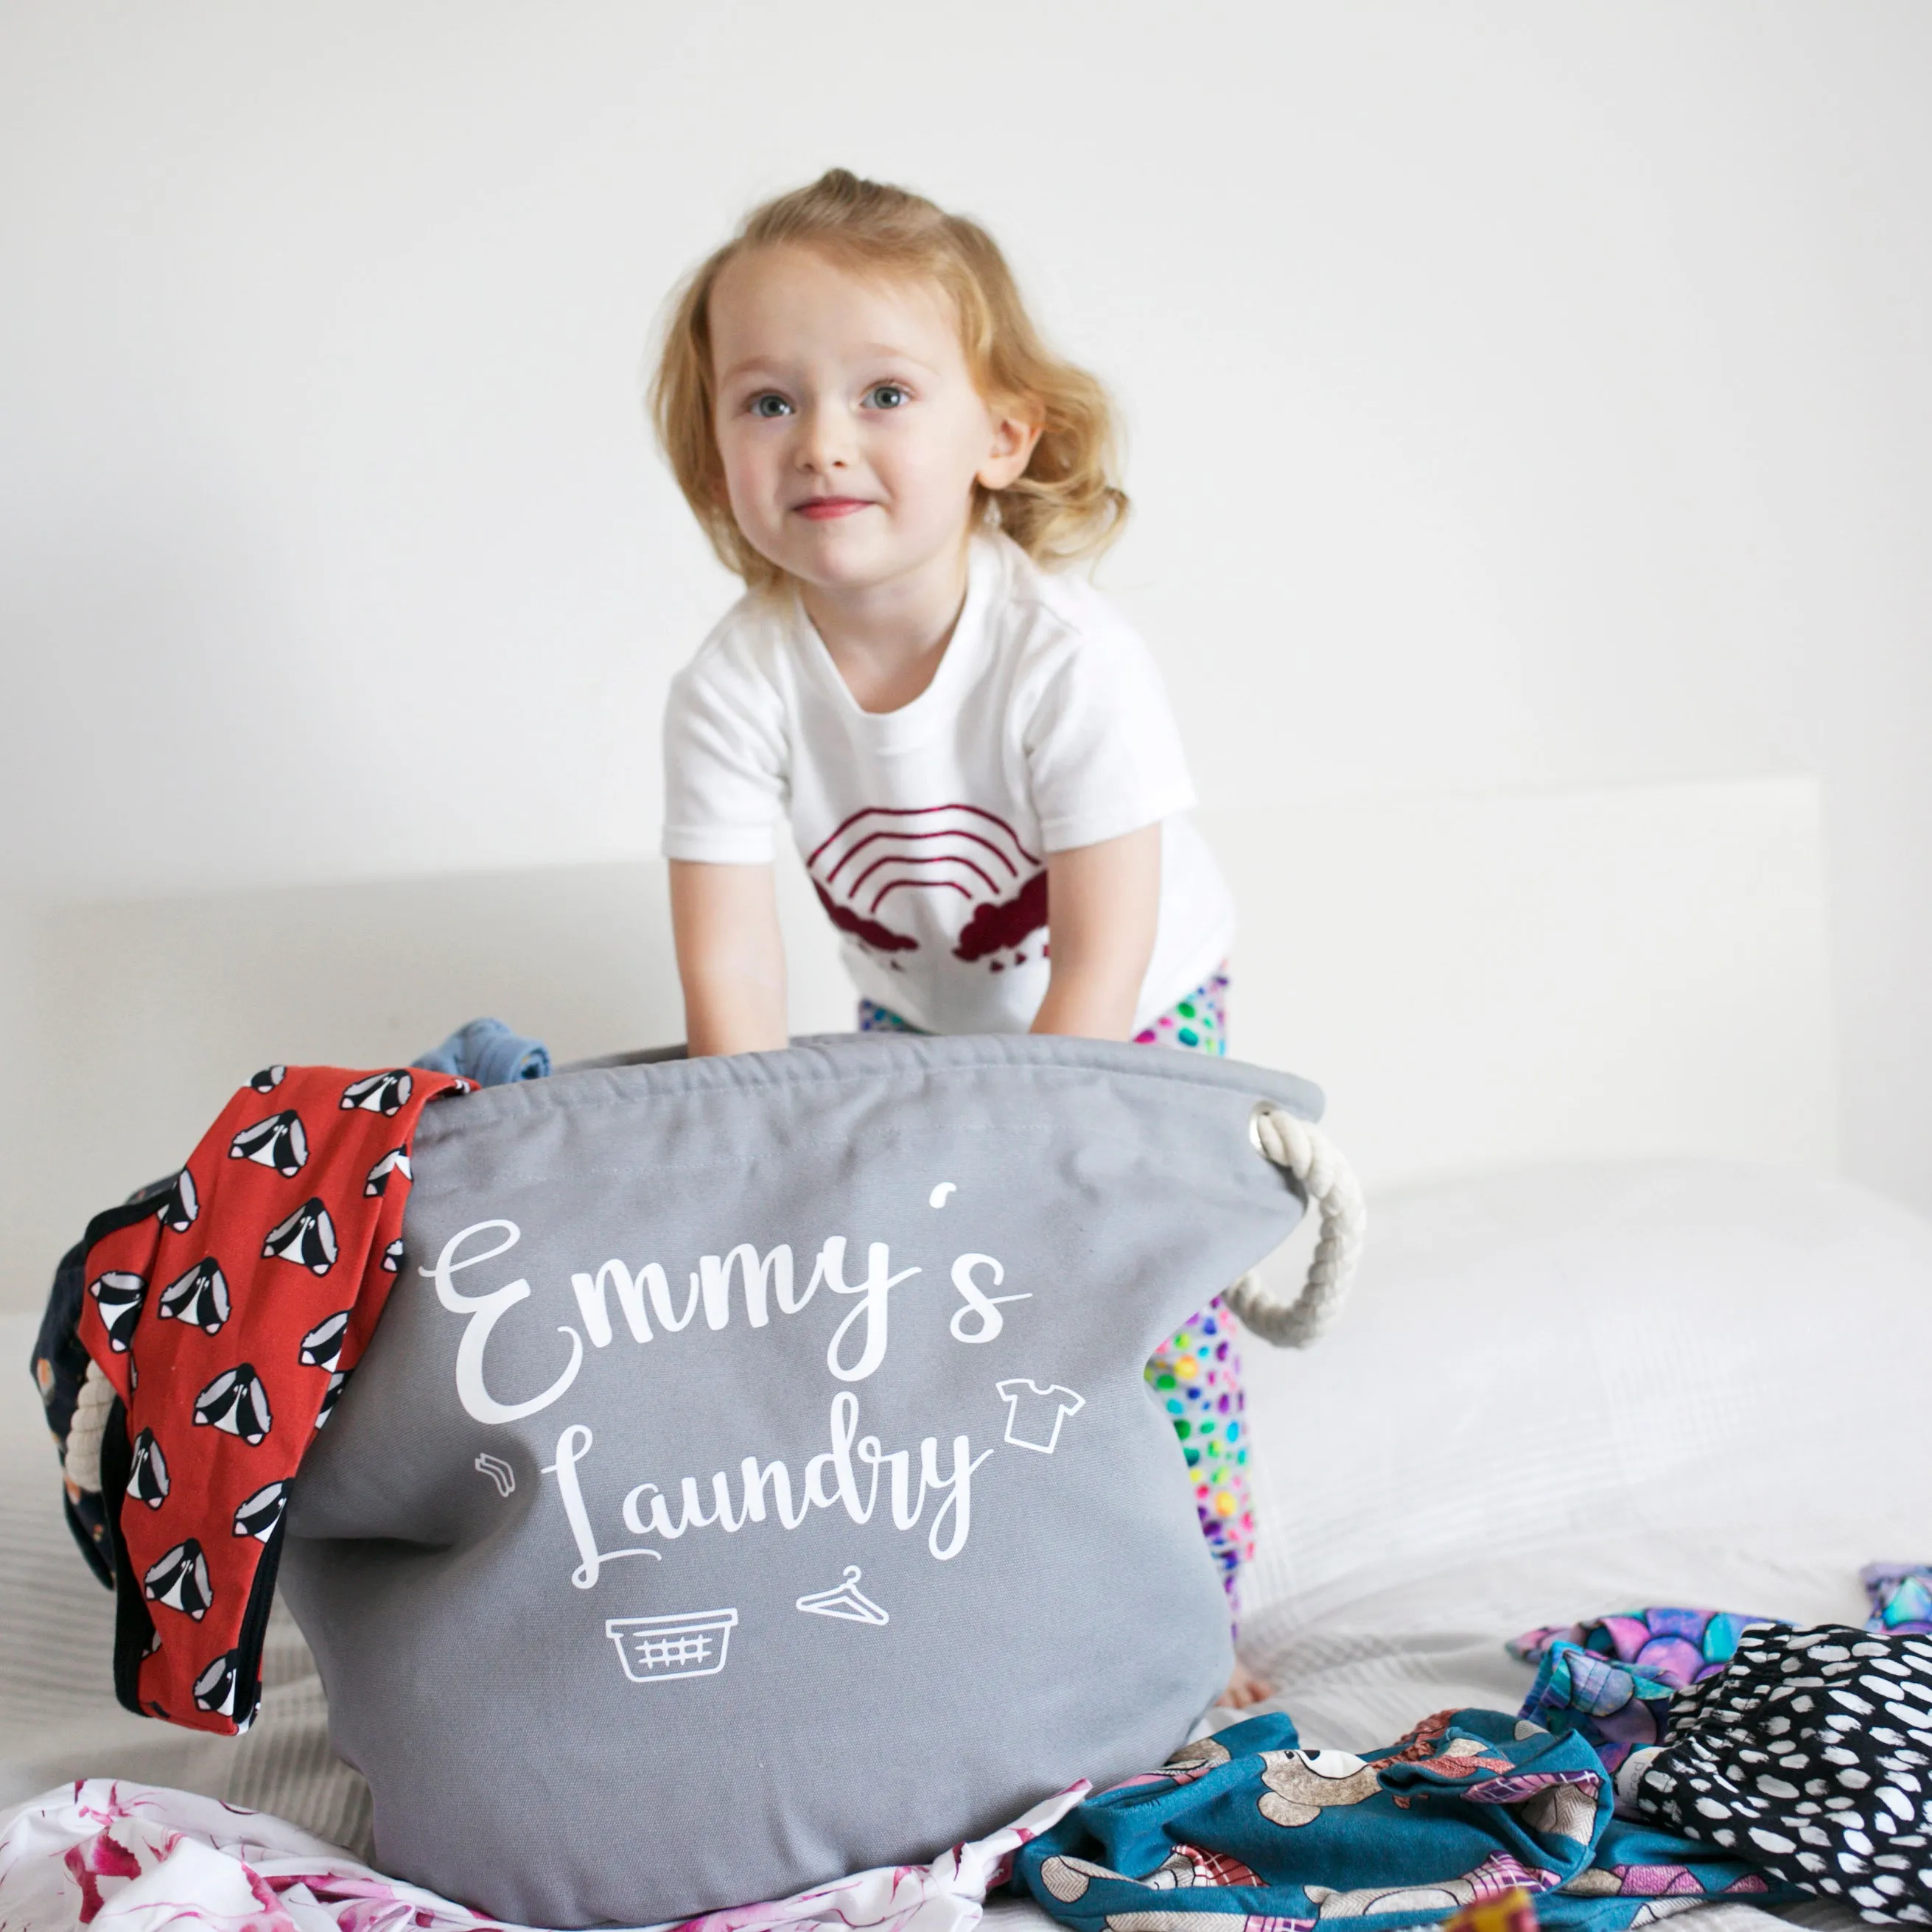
1566,1391
1683,1364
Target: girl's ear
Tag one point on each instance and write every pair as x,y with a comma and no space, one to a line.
1017,425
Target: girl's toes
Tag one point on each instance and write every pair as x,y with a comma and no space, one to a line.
1244,1688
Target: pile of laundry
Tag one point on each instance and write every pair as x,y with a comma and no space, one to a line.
1663,1758
1796,1764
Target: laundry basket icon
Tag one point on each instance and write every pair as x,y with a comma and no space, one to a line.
654,1649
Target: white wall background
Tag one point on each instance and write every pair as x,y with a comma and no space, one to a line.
1522,396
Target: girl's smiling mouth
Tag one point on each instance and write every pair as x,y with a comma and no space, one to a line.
819,508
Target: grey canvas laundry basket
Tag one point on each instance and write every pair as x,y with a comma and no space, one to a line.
753,1478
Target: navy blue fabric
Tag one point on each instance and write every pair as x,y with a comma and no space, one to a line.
60,1364
1247,1826
487,1052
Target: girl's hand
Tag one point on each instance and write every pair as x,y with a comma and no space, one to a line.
1103,904
730,957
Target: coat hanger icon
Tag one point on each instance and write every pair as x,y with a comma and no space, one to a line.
846,1600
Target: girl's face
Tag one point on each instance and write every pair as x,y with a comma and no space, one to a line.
849,428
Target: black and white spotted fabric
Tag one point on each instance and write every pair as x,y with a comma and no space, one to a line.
1812,1753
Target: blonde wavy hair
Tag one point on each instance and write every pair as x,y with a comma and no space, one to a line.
1067,506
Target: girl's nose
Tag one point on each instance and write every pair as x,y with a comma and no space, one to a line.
826,441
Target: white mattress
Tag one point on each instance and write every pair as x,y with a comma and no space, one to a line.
1556,1392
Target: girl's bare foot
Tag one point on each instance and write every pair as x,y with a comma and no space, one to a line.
1244,1688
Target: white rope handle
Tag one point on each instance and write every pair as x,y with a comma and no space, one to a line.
1307,1154
86,1433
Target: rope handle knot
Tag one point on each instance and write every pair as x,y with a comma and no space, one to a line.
1330,1183
81,1464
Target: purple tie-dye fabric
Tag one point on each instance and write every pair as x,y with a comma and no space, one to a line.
1611,1680
1901,1597
1682,1646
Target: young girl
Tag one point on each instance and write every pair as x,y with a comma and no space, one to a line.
973,749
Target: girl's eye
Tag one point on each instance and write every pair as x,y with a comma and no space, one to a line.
770,405
888,396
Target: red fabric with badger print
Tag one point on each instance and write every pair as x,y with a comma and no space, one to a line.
227,1323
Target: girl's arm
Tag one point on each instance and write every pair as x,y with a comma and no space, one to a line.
730,957
1103,904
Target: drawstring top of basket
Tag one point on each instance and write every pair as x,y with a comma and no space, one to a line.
1303,1150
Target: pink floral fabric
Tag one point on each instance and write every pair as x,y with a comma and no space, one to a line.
115,1856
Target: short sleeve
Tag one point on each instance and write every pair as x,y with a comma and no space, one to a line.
1103,755
727,768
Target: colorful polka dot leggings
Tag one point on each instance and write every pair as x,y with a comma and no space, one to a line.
1196,1374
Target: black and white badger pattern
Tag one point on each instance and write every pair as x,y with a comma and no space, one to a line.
396,1161
306,1237
180,1580
280,1141
331,1396
199,1297
1811,1753
385,1093
223,1358
259,1515
236,1403
120,1295
214,1689
180,1205
148,1473
321,1346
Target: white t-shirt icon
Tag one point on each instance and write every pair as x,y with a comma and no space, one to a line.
1034,1415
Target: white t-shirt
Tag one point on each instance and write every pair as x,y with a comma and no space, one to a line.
926,830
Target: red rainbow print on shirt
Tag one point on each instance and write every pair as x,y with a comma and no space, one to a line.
875,863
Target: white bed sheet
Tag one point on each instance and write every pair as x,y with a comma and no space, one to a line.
1557,1393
